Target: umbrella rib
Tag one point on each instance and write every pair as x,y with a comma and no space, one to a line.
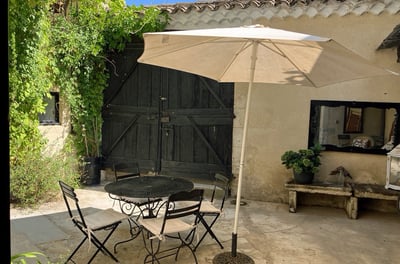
281,53
214,39
156,54
245,46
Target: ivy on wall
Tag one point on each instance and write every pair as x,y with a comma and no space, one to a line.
64,44
81,38
29,80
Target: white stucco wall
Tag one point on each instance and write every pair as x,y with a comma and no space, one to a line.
279,115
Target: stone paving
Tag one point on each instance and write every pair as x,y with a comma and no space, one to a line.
267,233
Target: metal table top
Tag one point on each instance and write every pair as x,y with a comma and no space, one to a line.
149,186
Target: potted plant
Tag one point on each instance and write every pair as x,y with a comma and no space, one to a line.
304,163
92,158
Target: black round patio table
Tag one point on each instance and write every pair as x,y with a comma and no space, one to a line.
149,186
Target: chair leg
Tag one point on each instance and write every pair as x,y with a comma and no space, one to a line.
134,229
155,253
186,243
191,250
208,231
197,221
153,250
99,245
134,211
76,249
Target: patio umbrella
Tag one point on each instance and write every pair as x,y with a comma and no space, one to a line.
255,54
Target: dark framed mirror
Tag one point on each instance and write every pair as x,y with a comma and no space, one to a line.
361,127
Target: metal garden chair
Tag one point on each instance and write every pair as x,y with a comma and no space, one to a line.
90,224
212,208
179,218
133,207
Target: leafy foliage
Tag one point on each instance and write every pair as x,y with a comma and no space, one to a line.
303,160
29,80
66,51
83,38
34,180
22,258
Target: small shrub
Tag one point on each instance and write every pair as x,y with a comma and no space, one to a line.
34,180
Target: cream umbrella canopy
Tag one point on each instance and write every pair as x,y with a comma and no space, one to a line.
270,55
256,54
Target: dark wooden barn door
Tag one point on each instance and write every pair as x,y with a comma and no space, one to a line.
169,121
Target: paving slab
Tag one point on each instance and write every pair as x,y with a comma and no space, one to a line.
38,229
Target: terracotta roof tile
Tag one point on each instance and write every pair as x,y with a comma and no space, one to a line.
309,7
231,12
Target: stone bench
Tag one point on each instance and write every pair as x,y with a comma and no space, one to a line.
374,191
351,193
321,188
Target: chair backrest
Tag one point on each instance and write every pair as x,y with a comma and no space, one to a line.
126,170
220,190
183,204
72,203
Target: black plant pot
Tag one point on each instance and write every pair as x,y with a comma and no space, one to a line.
303,178
91,171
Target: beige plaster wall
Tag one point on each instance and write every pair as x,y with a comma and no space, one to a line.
279,115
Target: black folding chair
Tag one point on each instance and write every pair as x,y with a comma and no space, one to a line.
104,220
179,219
134,207
213,207
124,170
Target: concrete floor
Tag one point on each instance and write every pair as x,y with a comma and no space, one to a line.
267,233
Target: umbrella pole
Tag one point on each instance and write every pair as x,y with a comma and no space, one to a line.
241,164
241,258
244,136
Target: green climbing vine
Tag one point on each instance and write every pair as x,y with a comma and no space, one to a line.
83,38
63,45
